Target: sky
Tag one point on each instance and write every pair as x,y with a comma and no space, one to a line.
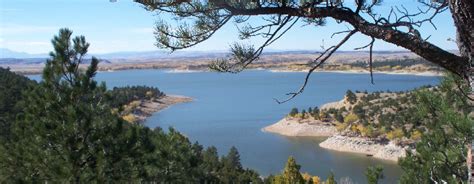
29,25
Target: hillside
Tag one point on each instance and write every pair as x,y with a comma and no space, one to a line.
398,62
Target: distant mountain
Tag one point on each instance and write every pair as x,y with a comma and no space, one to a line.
30,61
165,54
159,54
7,53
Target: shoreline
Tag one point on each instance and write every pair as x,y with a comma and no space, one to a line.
396,72
386,151
149,107
294,128
35,71
291,127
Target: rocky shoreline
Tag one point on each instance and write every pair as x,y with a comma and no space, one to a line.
148,107
296,127
391,72
386,151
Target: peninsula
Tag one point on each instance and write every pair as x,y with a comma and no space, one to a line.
135,103
360,123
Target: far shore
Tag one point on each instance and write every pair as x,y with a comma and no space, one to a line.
149,107
37,69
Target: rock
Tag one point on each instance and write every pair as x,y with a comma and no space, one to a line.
365,146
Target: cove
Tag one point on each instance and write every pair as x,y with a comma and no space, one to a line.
230,110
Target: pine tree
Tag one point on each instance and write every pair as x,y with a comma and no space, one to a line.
231,167
351,97
211,165
293,112
315,113
291,173
440,155
331,179
374,174
67,132
12,87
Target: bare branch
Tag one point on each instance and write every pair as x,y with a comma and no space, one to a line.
319,60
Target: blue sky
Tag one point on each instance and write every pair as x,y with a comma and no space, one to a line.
29,25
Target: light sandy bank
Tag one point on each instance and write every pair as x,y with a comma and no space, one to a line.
386,151
298,127
148,107
294,127
395,72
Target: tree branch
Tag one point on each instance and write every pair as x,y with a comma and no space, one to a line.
327,54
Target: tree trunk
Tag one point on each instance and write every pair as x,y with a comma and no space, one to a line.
463,15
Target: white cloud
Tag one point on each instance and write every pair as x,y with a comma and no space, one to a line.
33,47
7,10
22,29
25,43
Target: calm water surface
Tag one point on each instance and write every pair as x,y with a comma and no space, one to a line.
230,110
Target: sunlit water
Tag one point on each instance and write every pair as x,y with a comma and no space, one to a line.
230,110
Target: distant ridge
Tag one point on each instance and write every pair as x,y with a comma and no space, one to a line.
7,53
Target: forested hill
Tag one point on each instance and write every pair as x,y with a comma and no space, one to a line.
11,88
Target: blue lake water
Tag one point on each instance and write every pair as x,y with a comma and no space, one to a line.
230,110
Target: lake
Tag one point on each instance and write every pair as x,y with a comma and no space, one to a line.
230,110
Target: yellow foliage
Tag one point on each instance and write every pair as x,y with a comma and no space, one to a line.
129,118
416,135
397,67
361,129
341,126
306,176
350,118
131,106
278,179
316,180
135,104
149,94
114,111
354,128
395,134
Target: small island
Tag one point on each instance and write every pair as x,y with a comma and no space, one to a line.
379,124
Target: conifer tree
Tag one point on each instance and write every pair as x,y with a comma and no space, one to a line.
291,173
331,179
293,112
374,174
351,97
231,166
440,155
67,132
